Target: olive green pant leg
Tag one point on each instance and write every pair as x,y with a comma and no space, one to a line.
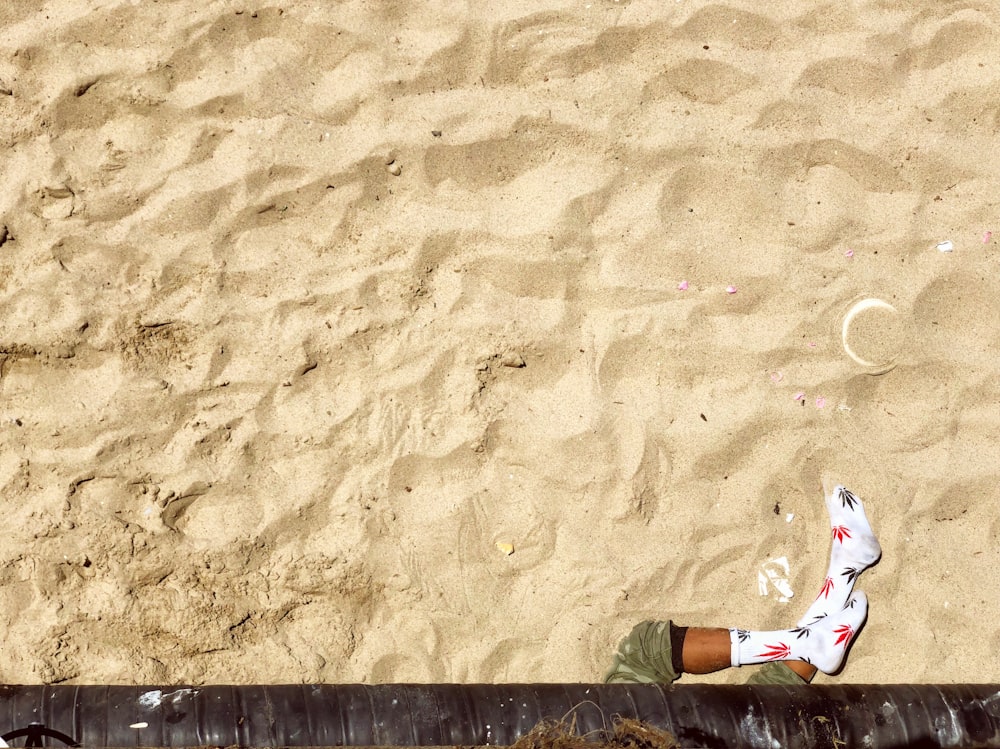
776,673
644,656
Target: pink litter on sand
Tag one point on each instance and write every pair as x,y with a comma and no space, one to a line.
811,344
987,237
730,289
820,402
777,377
849,253
800,396
682,286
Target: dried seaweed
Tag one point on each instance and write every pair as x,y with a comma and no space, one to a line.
625,733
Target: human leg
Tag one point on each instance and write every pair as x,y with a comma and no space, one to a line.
821,644
854,549
659,652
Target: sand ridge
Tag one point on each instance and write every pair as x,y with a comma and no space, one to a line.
305,308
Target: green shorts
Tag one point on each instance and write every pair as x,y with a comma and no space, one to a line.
645,657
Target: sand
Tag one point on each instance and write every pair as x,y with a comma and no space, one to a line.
305,308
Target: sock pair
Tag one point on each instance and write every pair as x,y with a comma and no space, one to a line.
831,622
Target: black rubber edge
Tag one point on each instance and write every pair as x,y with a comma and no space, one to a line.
713,716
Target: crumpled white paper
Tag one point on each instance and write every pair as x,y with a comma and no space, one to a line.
772,577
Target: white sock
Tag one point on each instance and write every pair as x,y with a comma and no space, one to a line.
823,643
854,550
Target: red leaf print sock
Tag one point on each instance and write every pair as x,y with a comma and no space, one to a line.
854,550
823,643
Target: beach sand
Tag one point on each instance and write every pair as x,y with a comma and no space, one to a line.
305,308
